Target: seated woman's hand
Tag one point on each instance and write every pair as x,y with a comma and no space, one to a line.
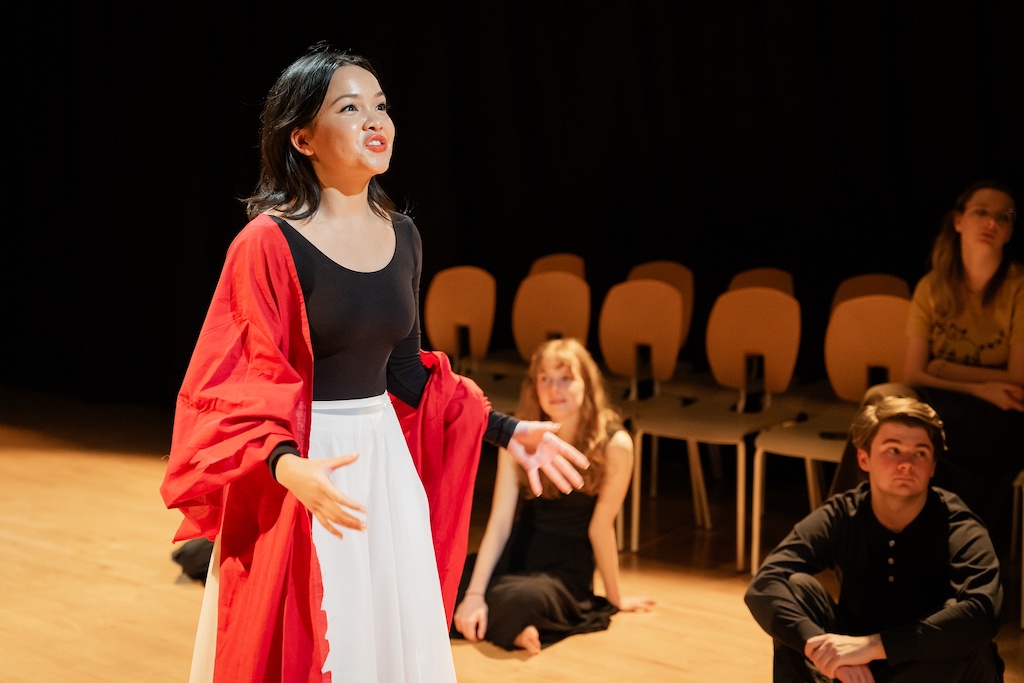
1005,395
471,617
635,603
535,447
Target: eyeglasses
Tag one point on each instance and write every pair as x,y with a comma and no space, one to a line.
1004,218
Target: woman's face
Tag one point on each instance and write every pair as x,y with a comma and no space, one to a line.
987,219
559,390
351,138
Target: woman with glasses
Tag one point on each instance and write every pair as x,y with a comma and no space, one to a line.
965,352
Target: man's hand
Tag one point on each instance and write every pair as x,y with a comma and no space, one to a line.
535,447
857,673
831,651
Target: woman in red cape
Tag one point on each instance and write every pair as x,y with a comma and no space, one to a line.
339,505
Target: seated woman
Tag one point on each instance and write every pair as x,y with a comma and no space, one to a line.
965,355
530,584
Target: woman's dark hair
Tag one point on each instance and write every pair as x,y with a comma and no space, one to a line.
287,181
948,287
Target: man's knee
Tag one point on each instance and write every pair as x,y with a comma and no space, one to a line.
814,600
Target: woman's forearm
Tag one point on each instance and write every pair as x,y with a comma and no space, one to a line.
606,557
958,372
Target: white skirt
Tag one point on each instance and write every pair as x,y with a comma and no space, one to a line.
382,595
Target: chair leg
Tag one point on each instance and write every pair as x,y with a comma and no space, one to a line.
757,511
701,509
1015,531
654,466
1017,539
620,530
741,505
715,461
813,483
634,520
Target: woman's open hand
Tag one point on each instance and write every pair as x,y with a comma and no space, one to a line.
535,446
310,482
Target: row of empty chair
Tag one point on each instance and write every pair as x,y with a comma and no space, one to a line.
752,339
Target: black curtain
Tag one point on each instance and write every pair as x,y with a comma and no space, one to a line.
825,138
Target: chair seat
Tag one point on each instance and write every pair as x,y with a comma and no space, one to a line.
821,436
709,420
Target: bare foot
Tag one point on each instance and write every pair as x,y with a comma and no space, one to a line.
528,640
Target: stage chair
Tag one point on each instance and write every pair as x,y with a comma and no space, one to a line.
549,304
864,346
458,314
562,261
675,274
870,283
639,327
546,305
777,278
458,319
748,327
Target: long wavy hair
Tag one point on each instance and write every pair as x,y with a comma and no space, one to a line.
598,419
287,182
949,289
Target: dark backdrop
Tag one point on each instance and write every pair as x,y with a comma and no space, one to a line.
826,138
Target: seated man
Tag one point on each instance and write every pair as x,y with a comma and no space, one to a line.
919,587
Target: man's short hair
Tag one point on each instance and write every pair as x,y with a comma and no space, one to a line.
901,409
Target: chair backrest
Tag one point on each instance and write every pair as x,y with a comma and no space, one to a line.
751,322
870,283
563,261
549,304
864,333
777,278
460,297
675,274
641,312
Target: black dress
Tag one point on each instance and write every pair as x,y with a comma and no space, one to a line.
545,576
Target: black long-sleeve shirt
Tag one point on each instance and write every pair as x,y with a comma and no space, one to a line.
931,591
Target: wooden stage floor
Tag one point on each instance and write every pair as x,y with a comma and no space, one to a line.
89,593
